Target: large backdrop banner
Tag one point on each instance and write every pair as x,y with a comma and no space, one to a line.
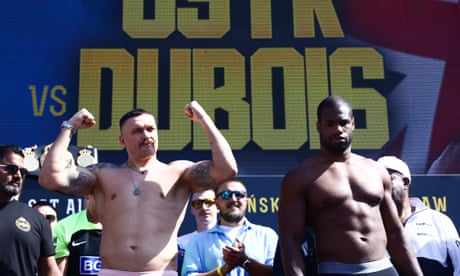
258,67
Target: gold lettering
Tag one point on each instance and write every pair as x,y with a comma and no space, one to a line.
263,205
226,96
216,26
440,203
179,133
219,83
274,202
375,134
317,88
261,24
304,18
264,133
121,64
252,205
38,111
62,103
161,26
147,80
426,201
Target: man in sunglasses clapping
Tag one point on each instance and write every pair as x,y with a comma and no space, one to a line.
234,246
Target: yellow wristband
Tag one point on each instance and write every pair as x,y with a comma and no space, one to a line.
219,271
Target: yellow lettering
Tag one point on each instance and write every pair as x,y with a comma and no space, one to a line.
274,202
294,115
179,133
304,18
252,205
261,15
147,80
317,88
276,105
440,204
263,203
38,111
426,201
216,26
223,94
161,26
375,133
62,104
121,65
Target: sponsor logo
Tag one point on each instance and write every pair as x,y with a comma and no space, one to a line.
90,265
78,243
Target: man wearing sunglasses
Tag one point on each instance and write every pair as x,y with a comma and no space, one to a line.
204,210
25,235
141,203
234,246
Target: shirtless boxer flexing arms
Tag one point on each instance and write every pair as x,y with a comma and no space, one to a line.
141,203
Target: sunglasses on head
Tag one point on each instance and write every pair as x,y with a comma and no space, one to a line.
229,194
198,203
12,169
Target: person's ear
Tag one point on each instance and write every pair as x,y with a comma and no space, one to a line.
406,181
121,139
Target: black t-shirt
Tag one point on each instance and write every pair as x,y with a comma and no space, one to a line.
25,237
84,253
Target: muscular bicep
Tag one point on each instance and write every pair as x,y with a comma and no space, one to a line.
80,182
199,176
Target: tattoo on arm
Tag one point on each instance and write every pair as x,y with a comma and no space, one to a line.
80,185
201,175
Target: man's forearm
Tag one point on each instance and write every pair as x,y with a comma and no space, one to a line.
222,155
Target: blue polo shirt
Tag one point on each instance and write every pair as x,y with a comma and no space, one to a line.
204,250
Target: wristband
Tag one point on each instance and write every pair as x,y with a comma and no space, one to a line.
66,125
219,271
246,264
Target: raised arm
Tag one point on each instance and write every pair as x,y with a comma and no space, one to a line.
292,223
56,174
206,174
399,247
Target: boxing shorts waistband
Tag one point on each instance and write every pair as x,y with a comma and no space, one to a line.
343,268
113,272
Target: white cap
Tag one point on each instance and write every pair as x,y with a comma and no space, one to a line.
395,164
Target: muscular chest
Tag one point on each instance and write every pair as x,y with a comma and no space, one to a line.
149,191
341,184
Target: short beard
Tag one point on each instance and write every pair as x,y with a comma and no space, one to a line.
336,149
10,191
232,218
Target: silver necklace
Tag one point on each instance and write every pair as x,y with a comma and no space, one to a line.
136,190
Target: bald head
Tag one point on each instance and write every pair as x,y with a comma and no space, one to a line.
333,102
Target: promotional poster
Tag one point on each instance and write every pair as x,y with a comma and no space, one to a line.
258,67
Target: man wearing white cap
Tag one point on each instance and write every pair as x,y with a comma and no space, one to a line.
433,235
